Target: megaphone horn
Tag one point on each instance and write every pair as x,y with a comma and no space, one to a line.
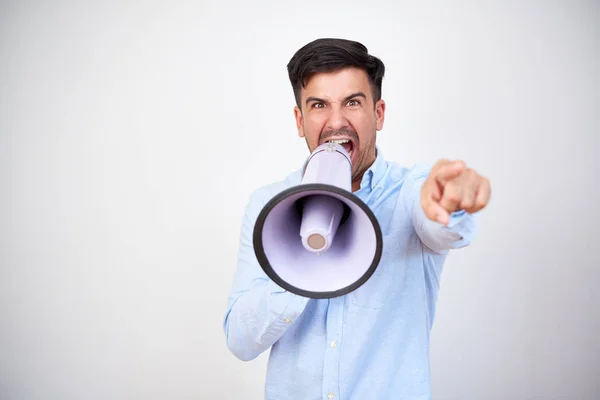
317,239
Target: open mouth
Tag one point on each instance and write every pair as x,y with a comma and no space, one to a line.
346,143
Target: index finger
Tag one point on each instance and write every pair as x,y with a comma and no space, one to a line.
449,171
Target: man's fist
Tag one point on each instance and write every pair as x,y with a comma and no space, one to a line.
451,186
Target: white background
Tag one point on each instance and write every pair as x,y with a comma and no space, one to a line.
131,135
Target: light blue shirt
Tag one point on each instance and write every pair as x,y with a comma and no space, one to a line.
372,343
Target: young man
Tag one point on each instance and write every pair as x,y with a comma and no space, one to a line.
372,343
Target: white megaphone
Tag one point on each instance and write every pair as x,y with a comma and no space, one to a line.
318,239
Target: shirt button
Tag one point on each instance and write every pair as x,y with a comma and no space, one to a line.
331,395
333,344
287,320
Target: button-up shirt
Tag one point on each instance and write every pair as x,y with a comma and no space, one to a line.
372,343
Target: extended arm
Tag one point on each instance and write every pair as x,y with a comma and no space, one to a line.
442,202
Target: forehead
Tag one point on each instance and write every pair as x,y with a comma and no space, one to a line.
336,85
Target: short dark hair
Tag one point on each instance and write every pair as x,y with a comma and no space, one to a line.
325,55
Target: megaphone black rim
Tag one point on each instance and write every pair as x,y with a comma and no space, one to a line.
264,261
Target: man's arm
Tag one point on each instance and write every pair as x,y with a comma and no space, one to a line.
459,232
258,312
442,201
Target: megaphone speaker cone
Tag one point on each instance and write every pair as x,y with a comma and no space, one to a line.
318,239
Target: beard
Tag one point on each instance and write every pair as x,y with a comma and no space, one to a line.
364,159
348,132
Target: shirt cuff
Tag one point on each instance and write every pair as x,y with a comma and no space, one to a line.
286,307
461,227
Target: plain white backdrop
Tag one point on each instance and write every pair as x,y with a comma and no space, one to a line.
132,134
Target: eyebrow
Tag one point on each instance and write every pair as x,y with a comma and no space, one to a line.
353,95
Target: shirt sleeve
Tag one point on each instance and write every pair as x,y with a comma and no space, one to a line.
258,310
459,232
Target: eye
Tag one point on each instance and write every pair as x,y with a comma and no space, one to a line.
318,105
353,102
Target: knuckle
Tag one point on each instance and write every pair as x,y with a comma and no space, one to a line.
468,202
453,196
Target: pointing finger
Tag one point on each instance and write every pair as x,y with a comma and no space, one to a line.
449,171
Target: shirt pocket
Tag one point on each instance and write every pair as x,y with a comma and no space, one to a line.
374,293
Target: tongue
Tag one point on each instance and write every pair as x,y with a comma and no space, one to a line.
347,146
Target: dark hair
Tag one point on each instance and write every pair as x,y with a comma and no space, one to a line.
325,55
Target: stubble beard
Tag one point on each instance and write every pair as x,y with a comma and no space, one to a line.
365,161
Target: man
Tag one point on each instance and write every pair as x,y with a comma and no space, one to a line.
372,343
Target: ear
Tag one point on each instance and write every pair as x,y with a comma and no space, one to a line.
298,117
380,114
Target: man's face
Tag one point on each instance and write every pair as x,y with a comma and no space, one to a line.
339,106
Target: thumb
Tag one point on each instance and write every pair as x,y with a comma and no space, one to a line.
438,213
433,210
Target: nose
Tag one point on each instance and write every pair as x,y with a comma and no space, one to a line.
337,119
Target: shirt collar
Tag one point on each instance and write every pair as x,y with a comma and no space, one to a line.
375,172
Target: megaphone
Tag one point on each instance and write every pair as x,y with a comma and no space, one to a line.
317,239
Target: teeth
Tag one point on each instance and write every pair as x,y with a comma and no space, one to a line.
339,141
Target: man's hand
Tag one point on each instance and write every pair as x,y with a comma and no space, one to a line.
451,186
